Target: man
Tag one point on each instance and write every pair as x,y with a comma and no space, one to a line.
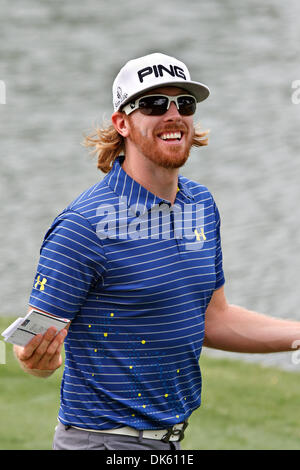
135,263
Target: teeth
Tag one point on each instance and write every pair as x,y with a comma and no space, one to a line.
171,135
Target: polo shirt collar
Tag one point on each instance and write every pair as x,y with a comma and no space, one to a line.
123,185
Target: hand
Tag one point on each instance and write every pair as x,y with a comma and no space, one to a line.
42,355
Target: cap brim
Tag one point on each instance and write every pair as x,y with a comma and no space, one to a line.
197,89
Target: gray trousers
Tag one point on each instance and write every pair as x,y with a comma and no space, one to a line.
68,438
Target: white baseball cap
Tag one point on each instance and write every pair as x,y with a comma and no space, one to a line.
152,71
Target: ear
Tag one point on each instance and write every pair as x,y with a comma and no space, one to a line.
120,123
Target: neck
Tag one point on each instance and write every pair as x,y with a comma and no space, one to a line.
158,180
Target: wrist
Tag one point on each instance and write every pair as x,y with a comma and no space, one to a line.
36,372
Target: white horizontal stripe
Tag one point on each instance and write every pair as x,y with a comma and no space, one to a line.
131,383
146,348
144,325
160,332
63,273
126,366
46,309
69,249
136,294
167,357
157,258
61,300
160,268
151,286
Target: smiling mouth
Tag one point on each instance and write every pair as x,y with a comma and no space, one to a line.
171,136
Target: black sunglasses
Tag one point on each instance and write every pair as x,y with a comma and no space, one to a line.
157,105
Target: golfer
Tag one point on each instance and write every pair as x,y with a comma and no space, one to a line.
135,264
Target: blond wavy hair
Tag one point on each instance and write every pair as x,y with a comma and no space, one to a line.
107,144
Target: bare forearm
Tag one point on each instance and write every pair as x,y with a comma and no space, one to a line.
241,330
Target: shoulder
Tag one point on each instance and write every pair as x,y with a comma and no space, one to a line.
90,197
79,215
86,204
199,192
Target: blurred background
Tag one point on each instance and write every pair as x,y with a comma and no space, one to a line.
58,61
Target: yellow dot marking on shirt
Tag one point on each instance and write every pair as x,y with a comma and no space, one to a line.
90,326
95,350
166,395
133,415
143,341
144,406
178,370
112,314
130,367
105,334
177,416
139,394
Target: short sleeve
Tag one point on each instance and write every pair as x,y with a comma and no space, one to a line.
71,262
220,278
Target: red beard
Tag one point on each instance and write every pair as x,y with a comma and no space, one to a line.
166,155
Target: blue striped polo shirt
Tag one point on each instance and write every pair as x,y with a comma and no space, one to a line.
134,274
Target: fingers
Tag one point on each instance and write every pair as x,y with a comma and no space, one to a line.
43,351
24,353
50,357
43,345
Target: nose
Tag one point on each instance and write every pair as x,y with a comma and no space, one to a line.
172,113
